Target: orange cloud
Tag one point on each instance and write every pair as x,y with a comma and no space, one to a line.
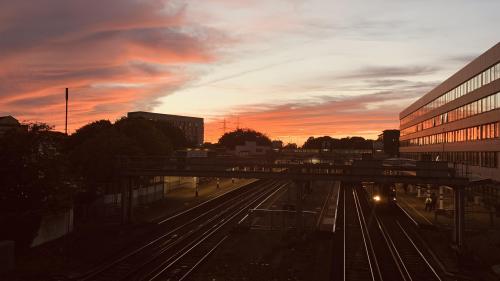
115,56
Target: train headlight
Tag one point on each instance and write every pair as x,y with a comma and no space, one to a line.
376,198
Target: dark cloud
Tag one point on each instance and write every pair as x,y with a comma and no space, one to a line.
29,24
463,59
391,71
114,55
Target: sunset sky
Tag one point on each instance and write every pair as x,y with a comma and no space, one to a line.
288,68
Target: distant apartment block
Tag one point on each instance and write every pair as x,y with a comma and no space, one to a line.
459,120
192,127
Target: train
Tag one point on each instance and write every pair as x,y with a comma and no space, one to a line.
382,195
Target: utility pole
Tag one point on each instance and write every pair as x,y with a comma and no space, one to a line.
66,119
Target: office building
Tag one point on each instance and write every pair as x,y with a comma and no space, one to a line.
192,127
458,121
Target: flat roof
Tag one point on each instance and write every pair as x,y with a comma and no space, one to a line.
162,115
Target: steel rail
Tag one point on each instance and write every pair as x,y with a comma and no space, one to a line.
419,252
366,239
405,274
174,259
200,261
198,228
164,240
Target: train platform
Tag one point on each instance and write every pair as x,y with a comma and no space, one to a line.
185,197
477,216
482,230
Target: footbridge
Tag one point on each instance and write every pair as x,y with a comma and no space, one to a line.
425,173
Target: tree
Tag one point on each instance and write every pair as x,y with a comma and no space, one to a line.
88,131
95,148
277,144
174,134
240,136
325,142
290,146
93,160
145,135
32,180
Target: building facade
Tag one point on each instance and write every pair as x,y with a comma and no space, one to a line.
389,142
193,127
459,120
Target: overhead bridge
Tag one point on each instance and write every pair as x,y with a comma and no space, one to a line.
128,169
437,173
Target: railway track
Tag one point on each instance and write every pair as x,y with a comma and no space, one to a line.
191,236
359,262
413,259
380,245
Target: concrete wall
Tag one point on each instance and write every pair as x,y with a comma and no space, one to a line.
54,226
153,192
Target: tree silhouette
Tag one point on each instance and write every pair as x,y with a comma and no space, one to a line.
327,142
240,136
32,181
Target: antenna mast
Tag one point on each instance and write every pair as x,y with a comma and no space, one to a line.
66,118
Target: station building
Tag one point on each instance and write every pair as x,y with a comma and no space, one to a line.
459,120
193,127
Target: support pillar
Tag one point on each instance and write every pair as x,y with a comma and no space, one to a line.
195,182
130,215
124,200
459,222
127,198
441,198
299,186
164,186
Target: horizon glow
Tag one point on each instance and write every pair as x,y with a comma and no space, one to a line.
288,68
